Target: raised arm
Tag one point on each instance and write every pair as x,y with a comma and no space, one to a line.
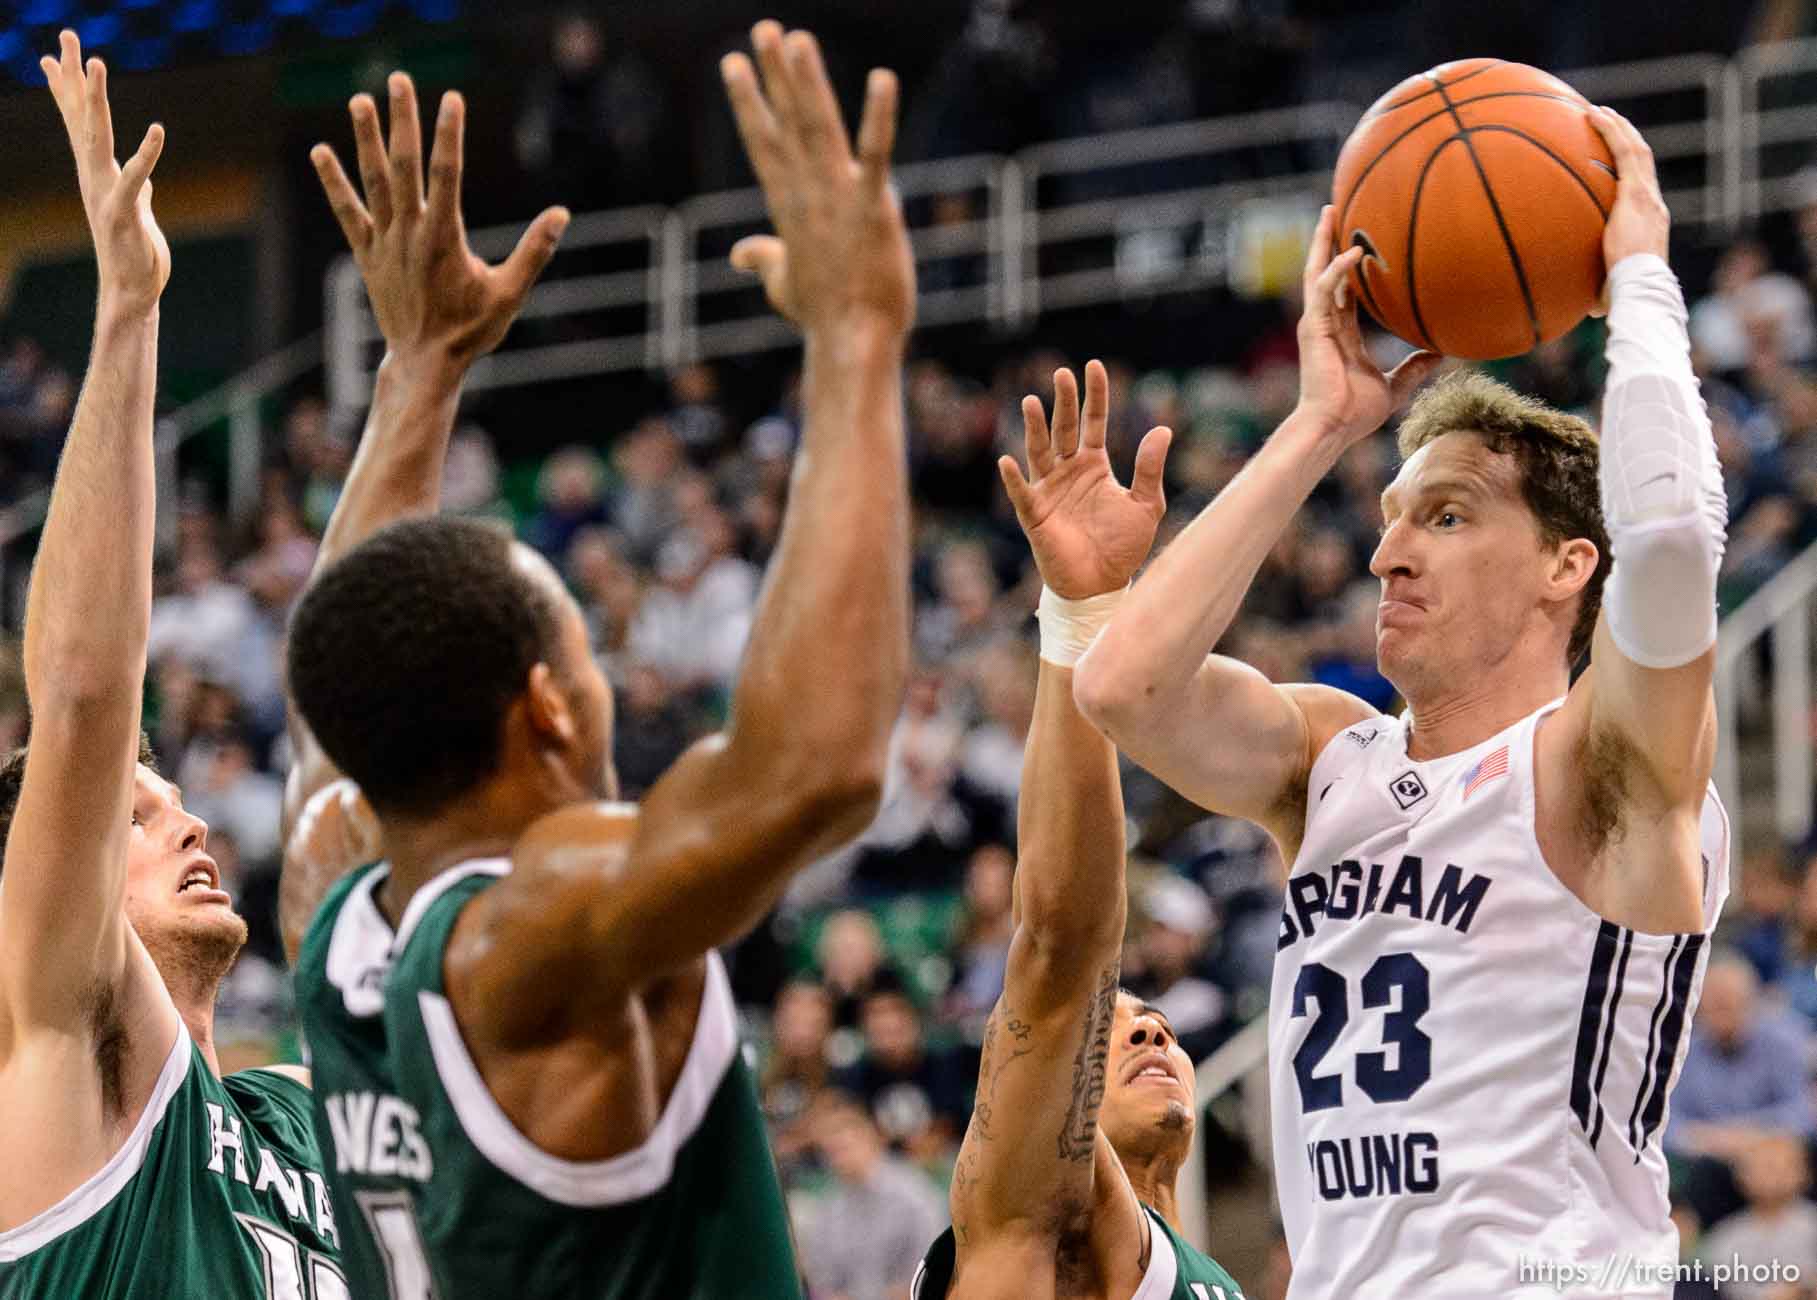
1211,727
1033,1133
1647,698
63,928
799,766
440,308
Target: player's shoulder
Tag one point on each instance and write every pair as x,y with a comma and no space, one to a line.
312,953
297,1074
285,1087
553,869
549,842
1330,713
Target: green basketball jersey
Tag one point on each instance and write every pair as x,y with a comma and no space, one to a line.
368,1136
465,1206
696,1211
1176,1270
218,1192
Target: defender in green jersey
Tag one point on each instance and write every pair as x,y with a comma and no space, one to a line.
1085,1104
551,1102
128,1167
440,309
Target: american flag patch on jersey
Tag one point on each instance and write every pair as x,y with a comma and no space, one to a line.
1490,766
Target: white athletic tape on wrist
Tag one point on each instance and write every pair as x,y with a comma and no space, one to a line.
1068,627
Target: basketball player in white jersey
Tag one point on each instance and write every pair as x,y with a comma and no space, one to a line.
1497,911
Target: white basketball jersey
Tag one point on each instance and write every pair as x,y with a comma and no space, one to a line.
1469,1068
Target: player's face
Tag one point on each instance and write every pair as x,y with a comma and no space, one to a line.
174,898
1149,1088
1463,567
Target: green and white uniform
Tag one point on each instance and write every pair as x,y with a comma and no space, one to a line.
1176,1270
367,1135
217,1193
696,1211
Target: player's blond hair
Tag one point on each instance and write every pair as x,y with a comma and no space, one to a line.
1557,455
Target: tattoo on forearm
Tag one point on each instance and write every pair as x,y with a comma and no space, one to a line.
990,1069
1079,1133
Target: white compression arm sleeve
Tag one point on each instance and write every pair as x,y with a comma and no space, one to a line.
1662,494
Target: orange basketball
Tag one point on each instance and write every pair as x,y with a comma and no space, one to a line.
1479,189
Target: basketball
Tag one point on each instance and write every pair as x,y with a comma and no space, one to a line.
1479,189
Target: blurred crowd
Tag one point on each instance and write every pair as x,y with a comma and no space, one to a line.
865,993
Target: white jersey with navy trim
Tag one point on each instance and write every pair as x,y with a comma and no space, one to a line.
1469,1068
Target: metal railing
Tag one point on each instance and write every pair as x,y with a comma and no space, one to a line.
1782,608
1000,240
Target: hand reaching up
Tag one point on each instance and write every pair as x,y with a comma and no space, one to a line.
130,251
1089,533
840,257
429,290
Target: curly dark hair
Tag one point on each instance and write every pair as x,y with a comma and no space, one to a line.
406,654
1557,455
12,781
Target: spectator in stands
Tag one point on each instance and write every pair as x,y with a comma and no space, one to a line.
37,398
1746,292
966,617
691,626
1798,968
1342,648
223,786
922,831
218,629
695,414
953,428
1746,1076
865,1239
1558,374
593,132
1766,515
988,91
1779,1226
570,495
851,959
470,472
1763,927
1362,473
641,502
760,523
609,590
653,727
990,761
796,1069
1172,945
981,944
918,1093
277,569
318,457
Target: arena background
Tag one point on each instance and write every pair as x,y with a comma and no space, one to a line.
1134,182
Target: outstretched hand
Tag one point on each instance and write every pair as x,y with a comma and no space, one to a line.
131,252
840,257
1089,533
429,290
1342,390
